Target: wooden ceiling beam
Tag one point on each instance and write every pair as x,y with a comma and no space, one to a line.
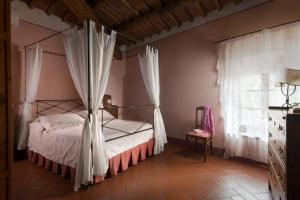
165,23
82,11
51,7
99,6
66,16
107,13
137,14
237,1
201,7
176,19
218,4
157,7
190,16
127,4
168,9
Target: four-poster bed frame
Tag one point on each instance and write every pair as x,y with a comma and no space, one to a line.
107,106
116,163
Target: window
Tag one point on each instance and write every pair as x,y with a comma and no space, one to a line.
254,104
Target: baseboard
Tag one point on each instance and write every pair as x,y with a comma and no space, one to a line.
216,151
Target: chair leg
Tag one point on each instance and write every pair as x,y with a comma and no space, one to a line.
211,147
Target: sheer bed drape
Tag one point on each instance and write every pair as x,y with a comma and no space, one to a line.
33,69
149,65
245,66
93,160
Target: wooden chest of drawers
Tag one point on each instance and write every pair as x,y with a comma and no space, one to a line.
284,154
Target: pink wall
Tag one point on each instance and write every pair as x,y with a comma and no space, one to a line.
188,66
55,80
188,79
115,81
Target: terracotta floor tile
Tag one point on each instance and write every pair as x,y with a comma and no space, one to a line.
169,176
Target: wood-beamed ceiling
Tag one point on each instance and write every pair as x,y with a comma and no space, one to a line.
135,20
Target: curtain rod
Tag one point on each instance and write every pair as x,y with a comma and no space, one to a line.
59,32
133,55
48,37
271,27
54,53
47,52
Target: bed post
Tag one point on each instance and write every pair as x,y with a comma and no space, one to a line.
153,116
37,108
102,118
89,85
25,59
89,65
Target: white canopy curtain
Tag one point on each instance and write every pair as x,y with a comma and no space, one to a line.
33,69
150,71
89,58
246,66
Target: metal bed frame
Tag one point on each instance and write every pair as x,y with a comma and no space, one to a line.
126,110
76,105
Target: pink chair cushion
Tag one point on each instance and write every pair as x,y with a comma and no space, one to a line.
202,134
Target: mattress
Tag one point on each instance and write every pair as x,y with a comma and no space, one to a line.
62,145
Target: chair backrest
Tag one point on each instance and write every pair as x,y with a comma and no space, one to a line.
198,119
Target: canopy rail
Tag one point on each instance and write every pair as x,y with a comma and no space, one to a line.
59,32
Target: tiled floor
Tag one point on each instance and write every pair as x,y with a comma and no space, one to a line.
169,176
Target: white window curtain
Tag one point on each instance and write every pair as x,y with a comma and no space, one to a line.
93,160
246,67
149,64
33,69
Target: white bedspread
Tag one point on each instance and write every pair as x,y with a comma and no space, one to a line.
62,145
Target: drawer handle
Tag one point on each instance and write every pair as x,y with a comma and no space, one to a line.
270,134
270,118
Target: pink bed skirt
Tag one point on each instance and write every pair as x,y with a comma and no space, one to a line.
117,163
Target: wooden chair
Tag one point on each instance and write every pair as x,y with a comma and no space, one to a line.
205,139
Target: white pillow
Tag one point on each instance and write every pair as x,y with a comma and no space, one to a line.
60,121
106,115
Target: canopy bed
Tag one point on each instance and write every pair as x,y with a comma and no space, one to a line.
94,141
56,147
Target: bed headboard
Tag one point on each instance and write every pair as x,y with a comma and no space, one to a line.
46,107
